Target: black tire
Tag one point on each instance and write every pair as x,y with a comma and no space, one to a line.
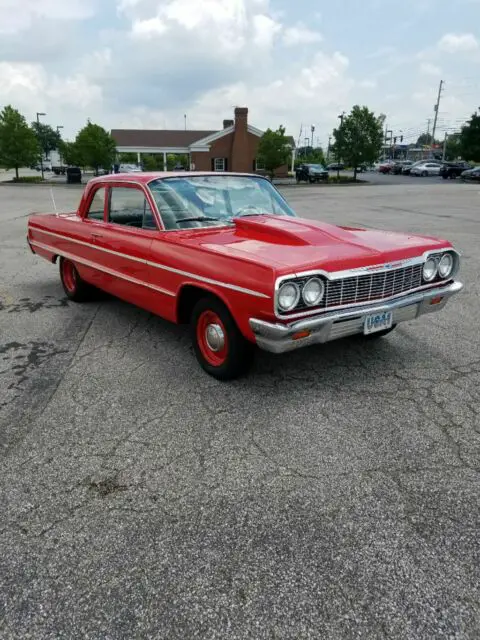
444,176
239,352
75,288
378,334
424,174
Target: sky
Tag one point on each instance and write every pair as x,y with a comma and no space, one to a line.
296,63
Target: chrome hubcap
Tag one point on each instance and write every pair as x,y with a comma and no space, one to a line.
215,337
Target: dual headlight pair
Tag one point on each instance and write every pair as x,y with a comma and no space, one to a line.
433,267
289,294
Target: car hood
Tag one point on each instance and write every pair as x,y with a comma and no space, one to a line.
298,244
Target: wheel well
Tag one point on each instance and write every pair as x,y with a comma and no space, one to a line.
188,298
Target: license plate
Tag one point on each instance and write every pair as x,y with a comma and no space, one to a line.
378,322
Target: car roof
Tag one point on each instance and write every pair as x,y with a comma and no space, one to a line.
144,177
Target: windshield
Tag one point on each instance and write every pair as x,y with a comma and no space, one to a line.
200,201
319,167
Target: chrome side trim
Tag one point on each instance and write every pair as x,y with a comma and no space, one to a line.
157,265
98,267
278,338
233,287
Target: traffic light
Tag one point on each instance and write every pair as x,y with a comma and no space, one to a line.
395,140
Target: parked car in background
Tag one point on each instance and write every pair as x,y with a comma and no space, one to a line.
225,254
471,175
453,170
425,169
386,167
336,166
311,173
129,168
400,165
407,169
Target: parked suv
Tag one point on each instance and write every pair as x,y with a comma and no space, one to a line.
453,170
311,173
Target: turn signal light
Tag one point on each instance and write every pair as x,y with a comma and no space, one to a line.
436,300
300,334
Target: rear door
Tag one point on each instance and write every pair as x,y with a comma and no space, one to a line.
123,242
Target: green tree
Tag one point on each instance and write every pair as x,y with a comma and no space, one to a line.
95,147
470,139
359,138
274,149
426,140
48,138
69,153
18,142
453,147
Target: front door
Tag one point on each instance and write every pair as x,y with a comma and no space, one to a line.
123,244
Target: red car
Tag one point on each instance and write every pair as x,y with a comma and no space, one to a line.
226,254
386,167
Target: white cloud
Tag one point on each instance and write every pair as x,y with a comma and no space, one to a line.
429,69
300,35
367,84
458,42
265,29
18,16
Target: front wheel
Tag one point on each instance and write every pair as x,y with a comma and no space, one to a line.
424,174
74,286
219,346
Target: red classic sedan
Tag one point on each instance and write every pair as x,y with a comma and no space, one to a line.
227,255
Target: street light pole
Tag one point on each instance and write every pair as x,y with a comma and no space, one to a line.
39,113
341,116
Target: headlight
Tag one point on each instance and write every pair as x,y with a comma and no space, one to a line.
429,270
313,292
445,266
288,296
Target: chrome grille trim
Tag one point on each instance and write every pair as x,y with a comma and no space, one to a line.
372,286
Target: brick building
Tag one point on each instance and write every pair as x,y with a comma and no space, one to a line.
232,148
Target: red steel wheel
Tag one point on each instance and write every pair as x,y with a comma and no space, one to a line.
219,345
74,286
69,276
212,338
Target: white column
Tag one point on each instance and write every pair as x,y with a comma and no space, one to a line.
164,160
293,160
139,158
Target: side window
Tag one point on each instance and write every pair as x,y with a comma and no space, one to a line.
129,206
95,211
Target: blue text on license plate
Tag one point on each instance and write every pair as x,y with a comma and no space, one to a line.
378,322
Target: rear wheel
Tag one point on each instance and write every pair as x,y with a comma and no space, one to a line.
219,346
75,288
424,174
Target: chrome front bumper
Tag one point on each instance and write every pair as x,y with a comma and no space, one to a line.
331,325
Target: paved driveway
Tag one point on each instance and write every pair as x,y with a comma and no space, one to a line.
332,494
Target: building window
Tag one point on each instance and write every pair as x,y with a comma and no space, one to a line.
259,165
219,164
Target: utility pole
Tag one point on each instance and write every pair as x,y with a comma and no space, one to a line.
40,113
185,118
341,116
435,108
328,149
444,146
312,129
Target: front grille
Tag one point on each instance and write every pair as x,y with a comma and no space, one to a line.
366,287
372,286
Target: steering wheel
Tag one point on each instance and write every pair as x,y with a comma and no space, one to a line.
248,209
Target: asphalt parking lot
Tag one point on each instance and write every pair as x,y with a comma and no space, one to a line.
334,493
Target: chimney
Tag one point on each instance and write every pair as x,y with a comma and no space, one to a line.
227,123
241,152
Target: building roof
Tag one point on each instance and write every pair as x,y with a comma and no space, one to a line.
157,137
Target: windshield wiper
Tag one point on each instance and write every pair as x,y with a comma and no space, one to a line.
197,219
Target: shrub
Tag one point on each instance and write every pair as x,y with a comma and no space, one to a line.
30,179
